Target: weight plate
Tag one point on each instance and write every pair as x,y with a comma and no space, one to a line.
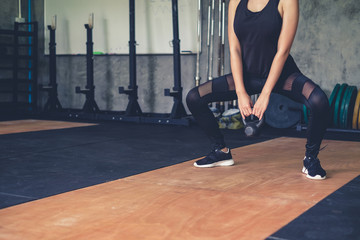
347,103
337,105
342,108
306,120
358,125
356,111
282,112
350,107
332,98
333,94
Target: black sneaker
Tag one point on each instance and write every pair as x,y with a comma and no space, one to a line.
313,169
216,158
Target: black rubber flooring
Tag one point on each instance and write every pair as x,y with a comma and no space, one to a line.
335,217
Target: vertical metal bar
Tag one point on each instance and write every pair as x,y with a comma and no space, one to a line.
133,107
176,46
15,63
223,37
30,51
219,62
20,9
208,39
198,47
90,61
211,53
52,57
34,71
132,47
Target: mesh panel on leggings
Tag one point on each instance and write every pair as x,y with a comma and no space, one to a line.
230,81
289,81
205,88
307,88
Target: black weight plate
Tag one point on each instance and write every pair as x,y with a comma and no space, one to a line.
344,102
282,112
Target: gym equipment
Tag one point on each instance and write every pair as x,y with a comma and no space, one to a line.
332,99
18,68
30,62
198,47
231,119
350,108
252,125
221,65
210,45
356,111
344,104
53,102
337,105
358,124
349,102
221,47
210,39
133,107
342,107
333,94
236,122
305,112
282,112
90,105
178,110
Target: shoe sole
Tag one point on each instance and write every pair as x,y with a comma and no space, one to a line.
316,177
224,163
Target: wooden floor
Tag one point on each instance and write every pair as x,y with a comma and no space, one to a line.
264,191
29,125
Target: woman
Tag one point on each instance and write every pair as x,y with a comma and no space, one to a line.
261,33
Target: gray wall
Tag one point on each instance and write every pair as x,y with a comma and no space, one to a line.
327,43
326,49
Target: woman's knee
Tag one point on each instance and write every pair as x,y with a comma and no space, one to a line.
193,98
318,101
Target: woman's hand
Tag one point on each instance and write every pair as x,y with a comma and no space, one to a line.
261,105
245,104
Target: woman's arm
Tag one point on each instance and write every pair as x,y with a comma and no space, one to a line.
289,9
244,100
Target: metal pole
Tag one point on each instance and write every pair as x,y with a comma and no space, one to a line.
176,45
132,45
178,109
198,48
30,54
52,56
90,60
211,44
133,107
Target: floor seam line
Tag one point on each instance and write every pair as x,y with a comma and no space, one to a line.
16,195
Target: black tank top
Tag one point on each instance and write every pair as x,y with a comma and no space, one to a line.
258,33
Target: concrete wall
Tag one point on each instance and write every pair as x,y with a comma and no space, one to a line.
327,43
326,49
8,12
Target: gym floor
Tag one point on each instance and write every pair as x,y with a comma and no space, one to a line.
80,169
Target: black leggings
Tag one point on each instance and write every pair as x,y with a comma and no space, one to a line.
297,87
